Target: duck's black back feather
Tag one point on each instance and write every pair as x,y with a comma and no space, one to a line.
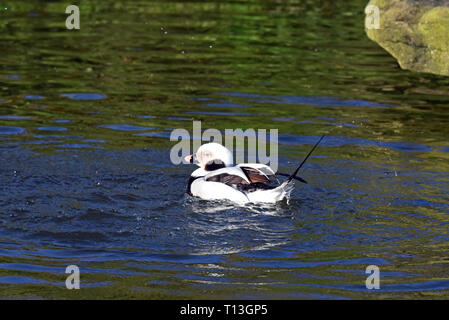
189,184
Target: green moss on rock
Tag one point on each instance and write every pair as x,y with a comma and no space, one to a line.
415,32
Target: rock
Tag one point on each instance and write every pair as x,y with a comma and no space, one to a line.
415,32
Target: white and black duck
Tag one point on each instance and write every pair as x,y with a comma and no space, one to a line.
218,179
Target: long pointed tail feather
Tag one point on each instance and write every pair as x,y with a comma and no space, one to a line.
293,175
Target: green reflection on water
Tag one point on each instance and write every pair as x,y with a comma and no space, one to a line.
161,59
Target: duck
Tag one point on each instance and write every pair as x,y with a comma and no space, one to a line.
217,178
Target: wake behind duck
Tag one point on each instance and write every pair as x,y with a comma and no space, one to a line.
218,179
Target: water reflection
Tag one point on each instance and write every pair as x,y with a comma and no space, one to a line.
84,96
311,100
86,177
11,130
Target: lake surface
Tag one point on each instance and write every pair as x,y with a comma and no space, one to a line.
86,178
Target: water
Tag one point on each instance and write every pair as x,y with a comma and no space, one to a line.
85,120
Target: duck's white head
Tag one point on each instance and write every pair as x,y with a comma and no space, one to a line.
211,156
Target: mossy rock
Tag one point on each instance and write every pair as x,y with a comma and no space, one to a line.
415,32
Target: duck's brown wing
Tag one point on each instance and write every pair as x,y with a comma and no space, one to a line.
228,179
245,179
255,175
